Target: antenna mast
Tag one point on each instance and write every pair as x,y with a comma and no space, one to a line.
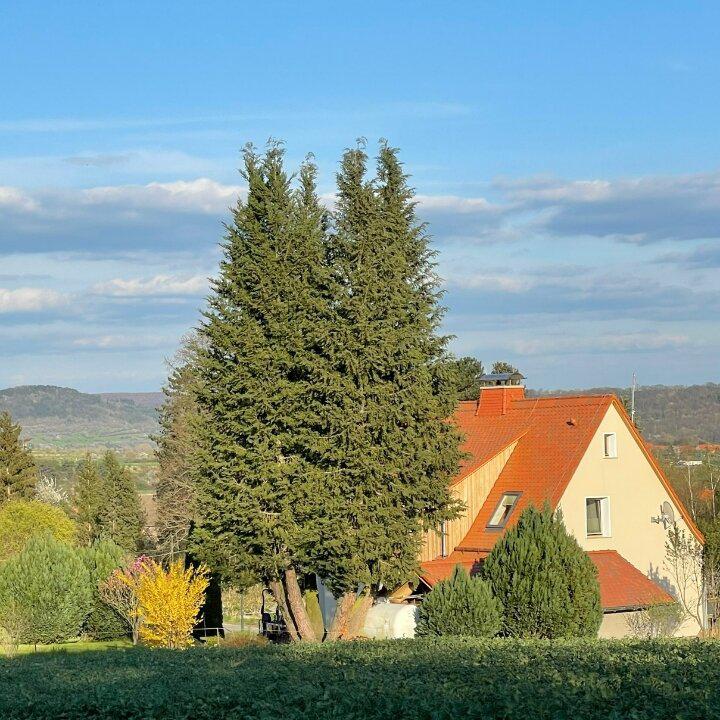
632,399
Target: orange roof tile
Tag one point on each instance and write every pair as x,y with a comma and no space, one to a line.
622,585
553,436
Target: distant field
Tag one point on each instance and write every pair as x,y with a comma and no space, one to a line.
60,463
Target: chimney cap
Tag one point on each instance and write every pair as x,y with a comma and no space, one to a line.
506,378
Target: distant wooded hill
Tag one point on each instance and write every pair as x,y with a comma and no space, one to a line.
65,418
62,417
669,413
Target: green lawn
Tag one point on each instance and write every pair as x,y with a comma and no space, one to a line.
75,646
451,678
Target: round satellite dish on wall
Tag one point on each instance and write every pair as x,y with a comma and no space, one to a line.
668,513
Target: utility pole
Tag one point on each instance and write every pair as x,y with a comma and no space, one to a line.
632,399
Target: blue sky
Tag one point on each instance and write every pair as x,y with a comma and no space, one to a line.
565,154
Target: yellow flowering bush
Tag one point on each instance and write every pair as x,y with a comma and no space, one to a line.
169,601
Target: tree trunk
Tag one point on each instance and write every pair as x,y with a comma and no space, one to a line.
278,591
357,616
297,607
342,613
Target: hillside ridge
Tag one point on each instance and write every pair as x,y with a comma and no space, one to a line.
54,416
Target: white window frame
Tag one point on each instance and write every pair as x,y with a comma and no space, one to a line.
605,526
610,452
443,539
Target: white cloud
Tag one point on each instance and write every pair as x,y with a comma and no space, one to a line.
122,342
159,285
30,300
15,199
201,195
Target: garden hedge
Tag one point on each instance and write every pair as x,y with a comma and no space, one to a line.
438,678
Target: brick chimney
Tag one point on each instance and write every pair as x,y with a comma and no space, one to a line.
497,392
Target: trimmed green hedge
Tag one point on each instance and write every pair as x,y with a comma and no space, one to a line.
441,678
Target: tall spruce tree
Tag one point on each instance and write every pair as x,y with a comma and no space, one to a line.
394,450
256,485
120,513
18,472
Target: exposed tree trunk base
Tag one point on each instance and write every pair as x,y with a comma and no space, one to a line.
357,616
342,614
297,607
278,591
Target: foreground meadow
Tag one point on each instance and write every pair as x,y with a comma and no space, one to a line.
449,678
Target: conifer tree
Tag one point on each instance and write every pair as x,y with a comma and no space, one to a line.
18,472
503,367
321,443
45,592
87,500
395,453
120,514
460,605
175,494
544,580
103,622
256,485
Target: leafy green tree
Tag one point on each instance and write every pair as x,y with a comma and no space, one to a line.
468,371
103,622
503,367
22,519
18,472
460,605
544,580
87,500
120,513
45,592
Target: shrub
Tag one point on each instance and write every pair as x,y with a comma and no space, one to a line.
656,621
103,622
45,592
460,605
448,677
545,581
169,602
21,519
119,591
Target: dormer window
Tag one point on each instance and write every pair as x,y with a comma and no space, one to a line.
502,511
610,445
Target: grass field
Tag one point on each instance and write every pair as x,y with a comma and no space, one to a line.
449,678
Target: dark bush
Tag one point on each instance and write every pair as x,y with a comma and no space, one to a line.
45,592
545,581
460,605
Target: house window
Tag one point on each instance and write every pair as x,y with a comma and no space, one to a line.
503,510
597,517
610,445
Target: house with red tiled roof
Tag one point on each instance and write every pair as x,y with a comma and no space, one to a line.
584,457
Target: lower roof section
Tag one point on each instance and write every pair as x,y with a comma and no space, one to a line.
622,585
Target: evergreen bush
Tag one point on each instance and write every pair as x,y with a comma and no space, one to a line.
103,622
45,592
460,605
546,583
